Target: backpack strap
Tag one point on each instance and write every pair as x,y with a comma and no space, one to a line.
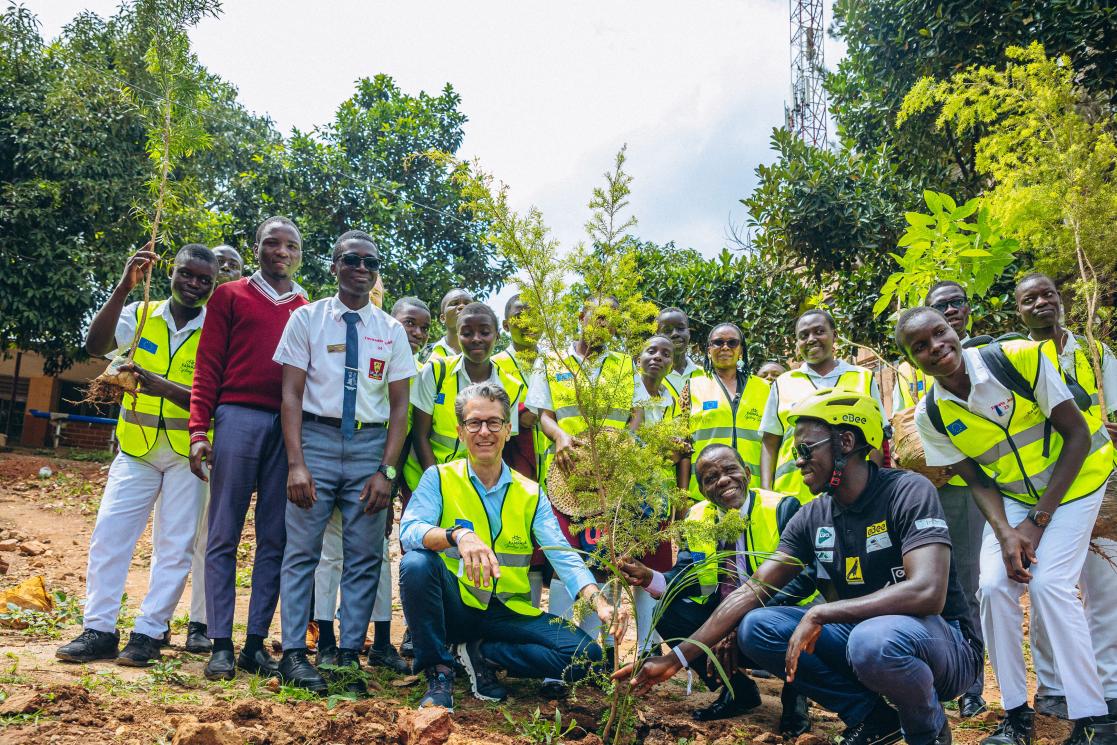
439,374
1005,372
977,341
933,412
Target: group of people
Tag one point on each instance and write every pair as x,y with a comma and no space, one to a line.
868,590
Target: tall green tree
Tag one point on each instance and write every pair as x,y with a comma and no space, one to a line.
368,170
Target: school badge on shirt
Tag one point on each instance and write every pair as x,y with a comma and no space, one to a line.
376,369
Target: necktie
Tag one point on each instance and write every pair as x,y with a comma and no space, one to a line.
349,400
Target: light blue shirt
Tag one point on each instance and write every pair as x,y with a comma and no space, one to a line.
424,512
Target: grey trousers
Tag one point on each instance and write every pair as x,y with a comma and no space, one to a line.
966,524
340,470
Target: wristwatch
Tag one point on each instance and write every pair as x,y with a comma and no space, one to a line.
1039,518
450,535
389,471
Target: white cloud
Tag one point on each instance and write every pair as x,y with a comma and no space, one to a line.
552,90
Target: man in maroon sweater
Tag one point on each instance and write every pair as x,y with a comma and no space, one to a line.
238,386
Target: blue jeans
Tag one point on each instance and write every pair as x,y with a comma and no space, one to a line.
526,646
340,469
915,661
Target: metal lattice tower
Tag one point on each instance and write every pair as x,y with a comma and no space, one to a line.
806,116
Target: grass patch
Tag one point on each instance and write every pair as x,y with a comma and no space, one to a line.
45,624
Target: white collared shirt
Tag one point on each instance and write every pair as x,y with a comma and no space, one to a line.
1108,368
988,399
770,422
296,289
423,392
314,340
679,379
126,327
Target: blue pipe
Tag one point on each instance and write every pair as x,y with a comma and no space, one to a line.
72,417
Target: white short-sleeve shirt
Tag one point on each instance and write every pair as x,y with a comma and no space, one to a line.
770,421
126,327
423,388
988,399
314,340
1108,368
539,388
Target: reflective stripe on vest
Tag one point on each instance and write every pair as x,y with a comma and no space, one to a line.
793,386
444,421
713,421
1022,455
513,546
137,430
704,554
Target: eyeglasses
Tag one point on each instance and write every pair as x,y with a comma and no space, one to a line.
473,426
355,260
728,343
805,451
956,303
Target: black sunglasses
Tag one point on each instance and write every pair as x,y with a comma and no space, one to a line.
956,303
355,260
806,451
729,343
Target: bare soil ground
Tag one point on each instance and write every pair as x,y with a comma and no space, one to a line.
44,700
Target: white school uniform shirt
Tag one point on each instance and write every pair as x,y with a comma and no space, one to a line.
654,407
770,422
679,379
539,389
314,340
988,399
423,393
1108,368
257,279
126,328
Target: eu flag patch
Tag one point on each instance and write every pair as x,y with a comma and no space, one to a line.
707,405
956,427
148,345
440,398
564,376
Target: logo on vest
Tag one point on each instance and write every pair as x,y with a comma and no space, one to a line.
707,405
517,542
824,538
564,376
148,346
956,427
853,571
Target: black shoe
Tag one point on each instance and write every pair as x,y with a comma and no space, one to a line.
944,737
440,689
196,640
482,678
165,639
295,669
326,656
970,705
90,645
881,727
794,720
141,651
1017,728
745,698
220,665
553,690
1051,706
388,658
258,663
355,683
407,647
1093,731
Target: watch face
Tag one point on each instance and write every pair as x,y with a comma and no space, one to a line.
389,471
1041,518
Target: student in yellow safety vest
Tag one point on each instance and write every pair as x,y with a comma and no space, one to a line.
1004,419
434,431
815,334
724,480
726,403
153,459
468,532
674,324
526,450
1040,307
452,303
963,517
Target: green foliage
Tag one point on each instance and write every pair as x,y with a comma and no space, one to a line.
65,611
947,245
540,729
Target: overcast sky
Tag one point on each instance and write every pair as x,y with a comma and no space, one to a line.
552,90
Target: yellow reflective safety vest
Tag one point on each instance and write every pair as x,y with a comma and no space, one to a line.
1022,456
441,350
412,471
912,383
1083,373
137,430
611,395
444,421
713,420
762,538
462,507
792,387
508,363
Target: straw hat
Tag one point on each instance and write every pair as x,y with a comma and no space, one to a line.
564,498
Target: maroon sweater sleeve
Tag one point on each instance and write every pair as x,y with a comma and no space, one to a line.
209,367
